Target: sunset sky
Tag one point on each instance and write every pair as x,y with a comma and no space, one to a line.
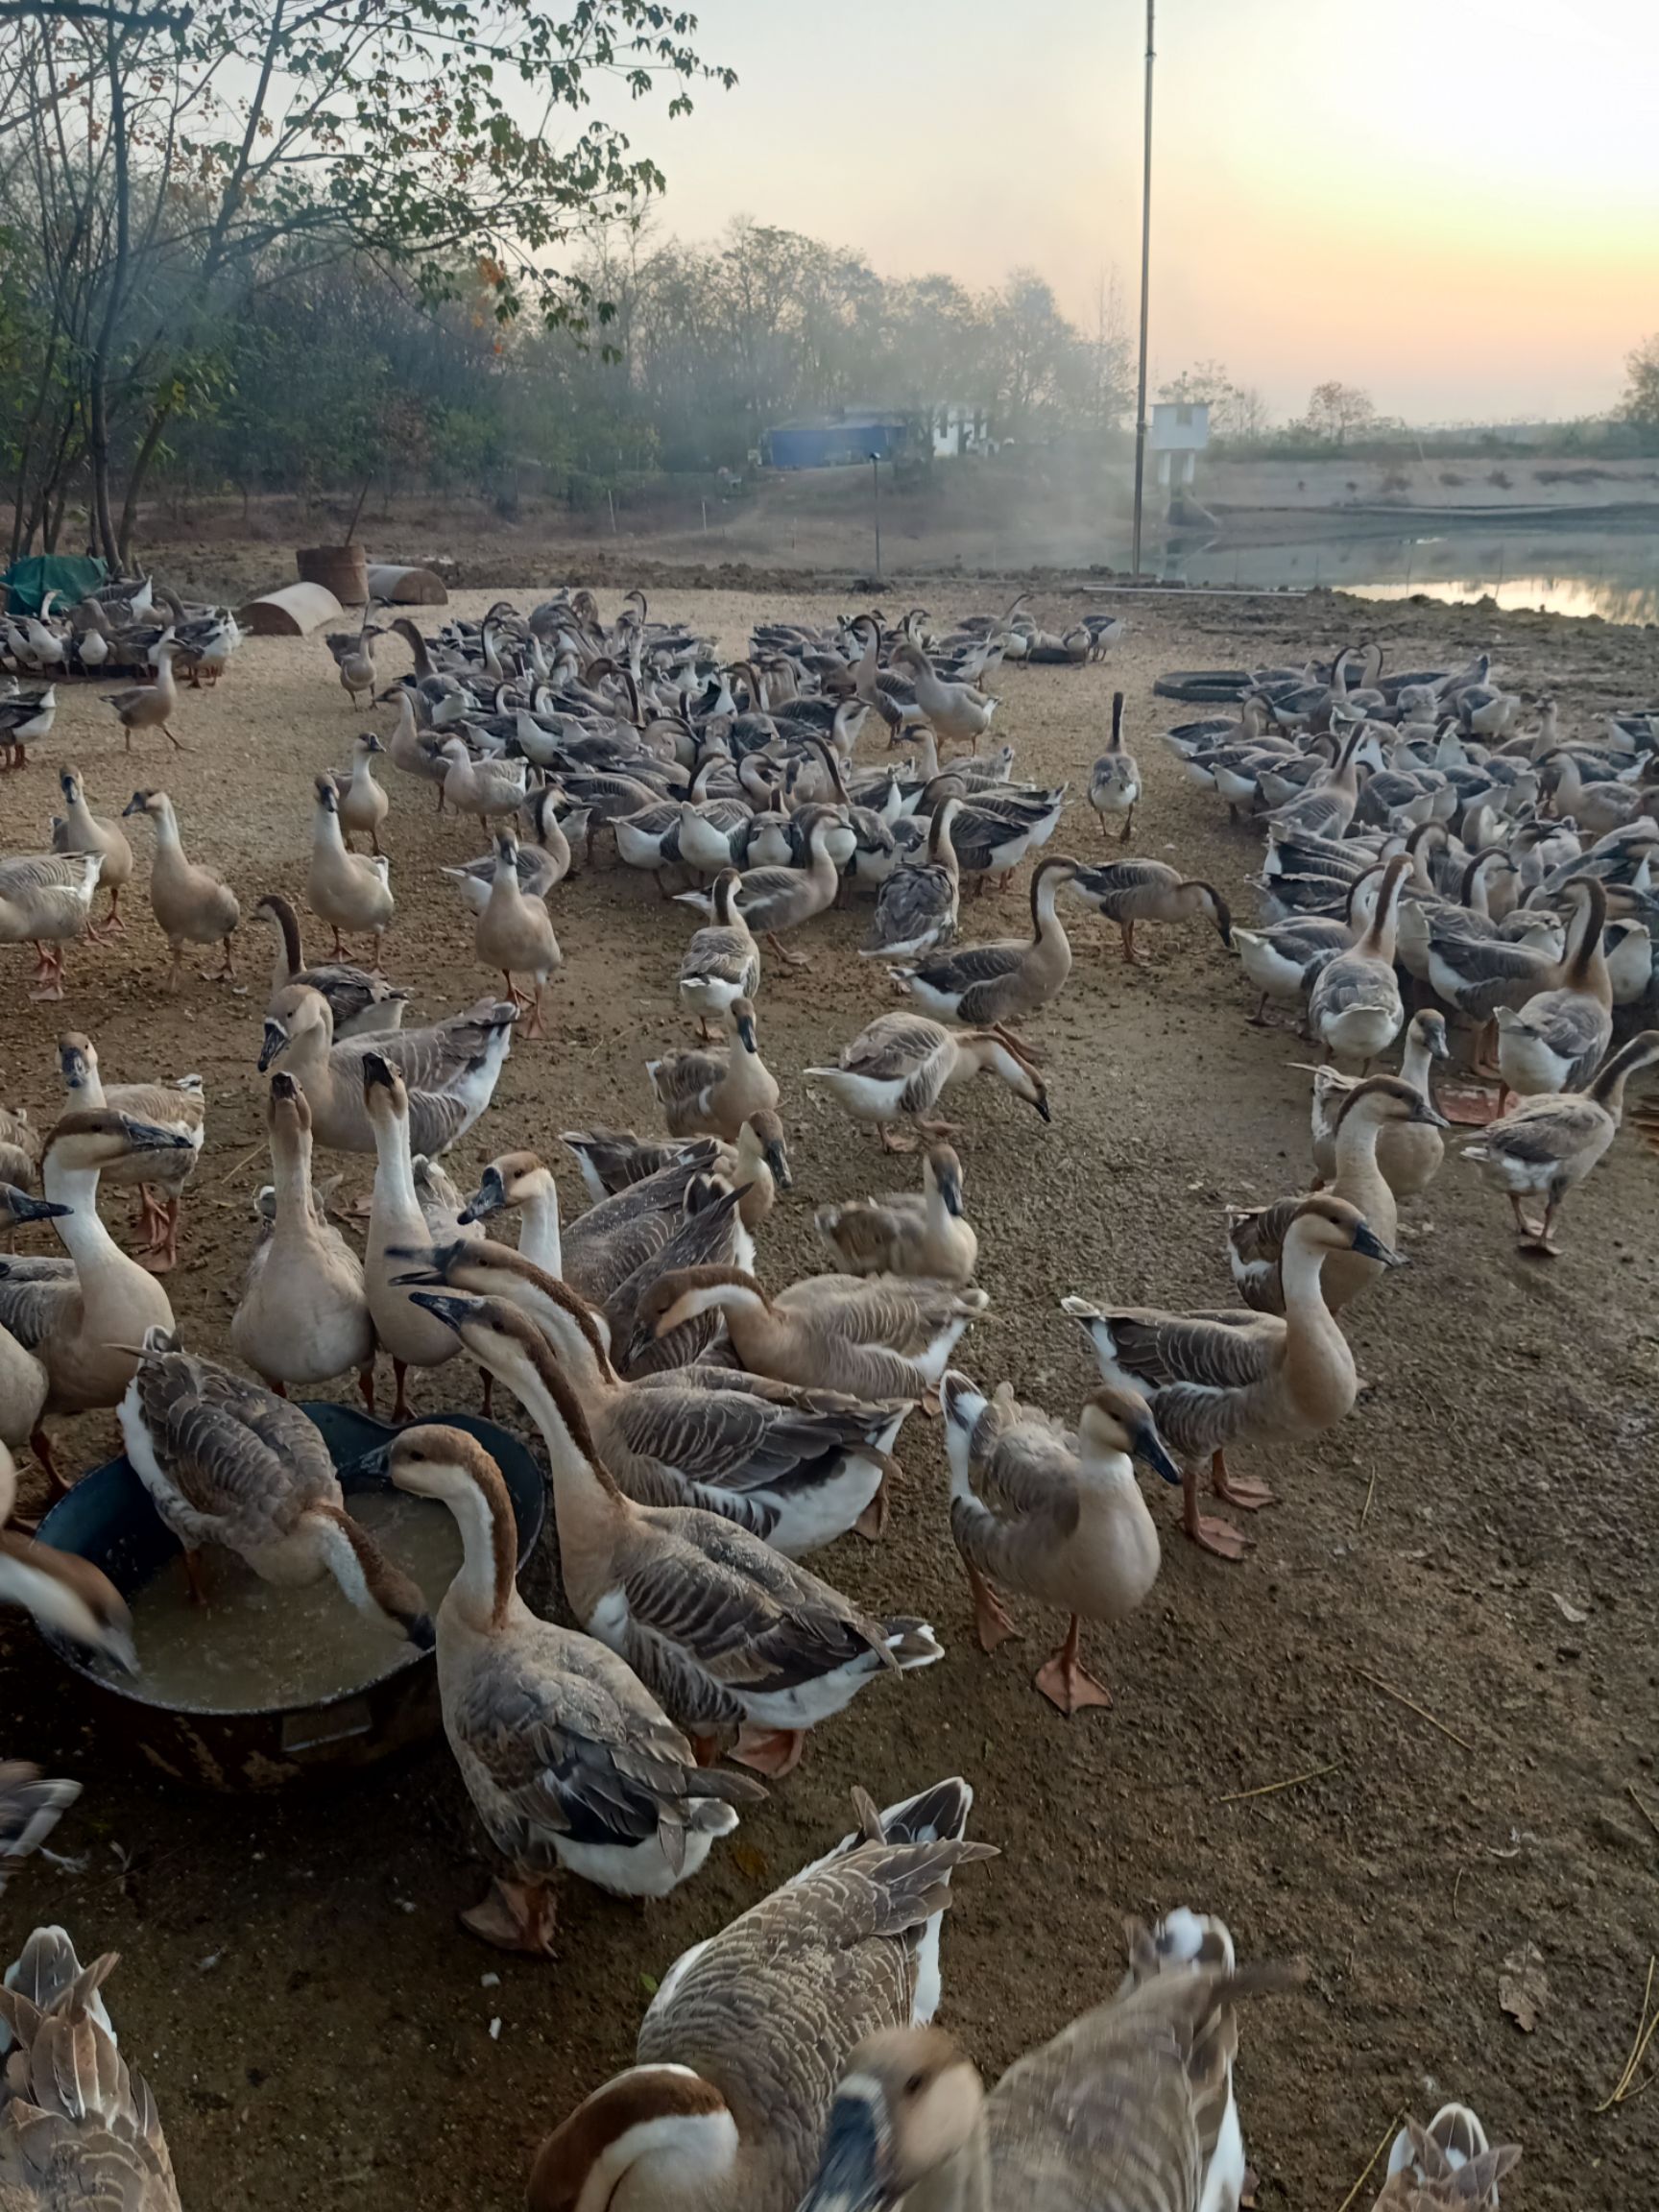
1451,202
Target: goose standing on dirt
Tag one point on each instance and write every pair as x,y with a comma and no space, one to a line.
1549,1144
956,711
303,1315
350,891
714,1092
1114,780
1410,1154
81,830
397,1224
739,2054
918,905
180,1108
776,898
724,1631
362,1003
899,1065
363,804
24,722
481,787
47,901
1130,2105
451,1069
190,904
514,934
228,1463
568,1758
81,1315
1212,1379
1056,1516
1131,891
982,985
923,1232
149,705
1355,1007
1557,1040
722,961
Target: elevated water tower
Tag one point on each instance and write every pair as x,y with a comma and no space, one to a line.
1180,433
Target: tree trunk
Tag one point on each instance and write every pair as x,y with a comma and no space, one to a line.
142,462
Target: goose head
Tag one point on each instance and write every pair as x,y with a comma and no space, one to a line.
297,1013
1115,1420
1325,1223
907,2104
942,1173
1383,1099
99,1139
761,1138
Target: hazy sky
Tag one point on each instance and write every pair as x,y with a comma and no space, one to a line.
1452,202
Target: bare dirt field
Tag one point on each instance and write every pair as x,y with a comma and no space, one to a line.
1479,1537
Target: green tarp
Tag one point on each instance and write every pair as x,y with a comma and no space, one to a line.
28,582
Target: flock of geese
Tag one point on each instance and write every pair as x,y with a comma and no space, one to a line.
705,1435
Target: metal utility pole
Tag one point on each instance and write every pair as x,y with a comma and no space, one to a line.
1146,297
876,475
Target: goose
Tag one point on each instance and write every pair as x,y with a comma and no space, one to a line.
956,711
983,985
514,934
303,1315
23,1380
1114,780
1410,1154
190,904
180,1108
1449,2166
871,1339
25,722
775,899
451,1069
19,1147
908,1233
719,1625
149,705
407,748
363,1004
722,963
81,830
229,1463
901,1064
918,904
361,805
604,1248
758,1165
1353,1007
740,2051
798,1467
68,1597
1131,891
397,1221
78,2127
481,787
1132,2105
208,647
47,902
1379,1105
568,1758
1557,1040
354,659
1056,1516
345,889
1212,1379
714,1092
543,854
1326,809
995,829
81,1315
1550,1143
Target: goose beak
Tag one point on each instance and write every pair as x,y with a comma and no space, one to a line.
1040,1102
1150,1449
746,1034
1370,1247
1430,1115
444,1306
950,1193
274,1045
778,1159
19,1208
850,2176
490,1198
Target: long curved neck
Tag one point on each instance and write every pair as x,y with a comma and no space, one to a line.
1415,1063
394,1191
1359,1179
290,955
325,830
85,1237
540,1238
588,1511
1312,1336
483,1589
167,837
291,1172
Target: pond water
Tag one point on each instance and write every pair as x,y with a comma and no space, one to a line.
1613,573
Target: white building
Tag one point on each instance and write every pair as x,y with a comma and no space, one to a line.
959,429
1180,433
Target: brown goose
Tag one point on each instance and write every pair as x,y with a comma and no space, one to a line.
738,2056
985,984
361,1000
1131,891
1212,1379
723,1630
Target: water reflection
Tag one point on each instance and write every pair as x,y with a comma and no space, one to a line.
1613,575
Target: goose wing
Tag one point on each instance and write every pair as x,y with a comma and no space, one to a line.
228,1468
911,902
719,1428
681,1078
769,2008
725,955
1542,1131
896,1045
1351,981
558,1739
902,1314
973,964
1214,1351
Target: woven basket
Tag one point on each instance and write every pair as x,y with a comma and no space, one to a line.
343,569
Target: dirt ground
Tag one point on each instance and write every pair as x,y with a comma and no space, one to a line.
1479,1536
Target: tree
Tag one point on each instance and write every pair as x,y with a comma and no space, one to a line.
1640,403
173,167
1334,410
1238,412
